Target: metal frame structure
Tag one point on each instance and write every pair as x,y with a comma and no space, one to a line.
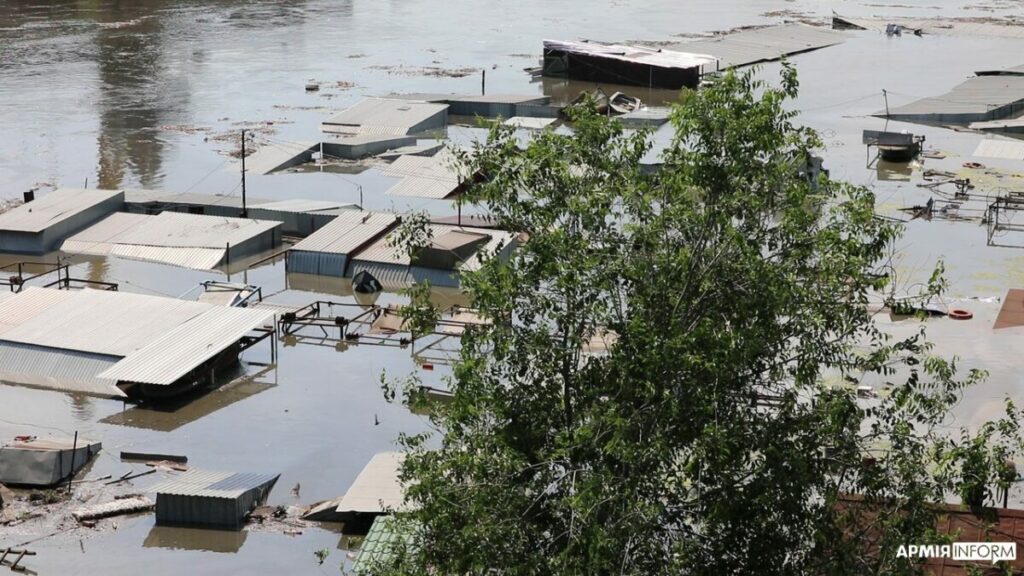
999,214
17,281
317,324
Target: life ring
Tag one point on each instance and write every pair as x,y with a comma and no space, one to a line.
957,314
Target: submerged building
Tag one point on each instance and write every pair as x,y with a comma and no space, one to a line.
40,226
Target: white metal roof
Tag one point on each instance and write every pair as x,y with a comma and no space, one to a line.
976,96
53,208
94,321
177,351
347,232
381,116
377,488
425,176
530,123
382,252
300,206
211,484
638,54
993,148
189,240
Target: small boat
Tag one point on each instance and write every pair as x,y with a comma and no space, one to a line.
624,104
31,461
600,100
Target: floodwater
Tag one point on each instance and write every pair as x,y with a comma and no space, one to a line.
149,94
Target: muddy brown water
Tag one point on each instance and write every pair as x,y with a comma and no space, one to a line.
147,94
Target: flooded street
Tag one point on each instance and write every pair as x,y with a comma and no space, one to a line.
152,94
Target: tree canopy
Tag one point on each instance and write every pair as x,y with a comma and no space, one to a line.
668,381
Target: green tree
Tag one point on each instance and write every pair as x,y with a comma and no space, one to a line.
716,429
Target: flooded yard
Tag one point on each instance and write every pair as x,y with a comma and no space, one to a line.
153,94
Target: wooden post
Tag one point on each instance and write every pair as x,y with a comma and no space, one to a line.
71,475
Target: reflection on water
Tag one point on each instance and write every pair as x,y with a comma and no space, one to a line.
174,538
894,171
171,414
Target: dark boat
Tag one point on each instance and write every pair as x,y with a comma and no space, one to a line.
624,104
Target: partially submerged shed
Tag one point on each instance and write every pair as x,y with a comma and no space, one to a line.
388,117
453,249
437,177
105,343
40,226
327,252
187,240
495,105
375,491
298,217
619,64
211,499
44,461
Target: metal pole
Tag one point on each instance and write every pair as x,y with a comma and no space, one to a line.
360,186
483,83
245,212
886,96
74,448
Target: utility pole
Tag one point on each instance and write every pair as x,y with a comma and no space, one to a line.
886,96
245,211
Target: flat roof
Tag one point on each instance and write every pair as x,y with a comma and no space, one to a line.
976,97
660,58
53,208
377,489
434,176
747,47
382,116
189,240
381,251
347,232
993,148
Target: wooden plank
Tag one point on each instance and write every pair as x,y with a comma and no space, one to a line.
149,456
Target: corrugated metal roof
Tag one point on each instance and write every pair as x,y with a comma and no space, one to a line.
176,352
530,123
377,488
1008,149
661,58
763,44
186,198
347,232
504,99
16,309
96,321
939,27
189,240
211,484
63,370
300,206
279,155
435,176
385,116
973,99
53,208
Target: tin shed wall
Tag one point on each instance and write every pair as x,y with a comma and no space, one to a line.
320,263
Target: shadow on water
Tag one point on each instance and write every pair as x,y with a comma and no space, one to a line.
175,538
173,413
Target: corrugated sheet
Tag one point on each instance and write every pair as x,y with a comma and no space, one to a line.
213,484
175,353
1008,149
348,232
51,209
383,116
195,258
435,176
382,252
398,276
319,263
97,321
16,309
63,370
185,198
377,488
530,123
763,44
300,206
279,155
